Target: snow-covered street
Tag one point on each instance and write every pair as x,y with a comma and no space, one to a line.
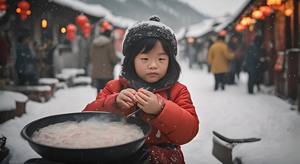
233,113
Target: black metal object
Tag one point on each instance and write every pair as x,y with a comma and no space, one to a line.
223,146
229,140
4,151
92,155
222,151
140,157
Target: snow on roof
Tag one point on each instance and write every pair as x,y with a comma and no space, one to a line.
91,9
223,24
95,10
8,100
201,28
180,34
227,21
120,21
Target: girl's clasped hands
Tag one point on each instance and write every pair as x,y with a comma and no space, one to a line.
147,101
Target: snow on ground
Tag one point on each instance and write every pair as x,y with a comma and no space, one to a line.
233,113
236,114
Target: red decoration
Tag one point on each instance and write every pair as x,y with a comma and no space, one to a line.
266,10
24,5
222,33
86,29
279,63
81,20
257,14
71,32
105,25
71,36
240,28
23,9
3,5
71,28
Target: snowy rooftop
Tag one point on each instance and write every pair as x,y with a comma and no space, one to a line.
201,28
95,10
225,21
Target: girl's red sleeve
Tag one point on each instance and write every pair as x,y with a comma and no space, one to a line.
106,99
178,120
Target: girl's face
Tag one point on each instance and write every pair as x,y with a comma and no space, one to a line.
153,65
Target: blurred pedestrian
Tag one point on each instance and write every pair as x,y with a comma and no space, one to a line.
103,57
50,48
25,61
219,56
255,64
233,46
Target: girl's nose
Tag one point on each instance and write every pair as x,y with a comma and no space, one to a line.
152,64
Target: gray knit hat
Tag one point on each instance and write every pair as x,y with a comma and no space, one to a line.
150,29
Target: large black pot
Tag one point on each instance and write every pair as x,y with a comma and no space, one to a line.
90,155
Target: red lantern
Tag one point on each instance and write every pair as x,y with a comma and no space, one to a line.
3,5
81,20
266,10
71,28
240,28
71,32
86,30
23,16
222,33
24,5
71,36
257,14
275,4
23,9
105,25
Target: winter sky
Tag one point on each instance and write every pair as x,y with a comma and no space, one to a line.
215,7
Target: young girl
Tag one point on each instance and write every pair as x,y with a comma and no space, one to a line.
149,81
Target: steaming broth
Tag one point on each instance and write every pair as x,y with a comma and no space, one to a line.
91,133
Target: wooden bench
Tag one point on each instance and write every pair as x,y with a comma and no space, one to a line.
52,82
39,93
82,80
67,75
12,104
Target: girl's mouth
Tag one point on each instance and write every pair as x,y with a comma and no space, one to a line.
152,74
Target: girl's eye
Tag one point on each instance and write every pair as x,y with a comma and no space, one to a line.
144,59
162,59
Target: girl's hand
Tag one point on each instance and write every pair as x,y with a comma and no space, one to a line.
126,98
148,102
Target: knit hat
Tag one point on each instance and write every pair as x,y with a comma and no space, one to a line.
150,29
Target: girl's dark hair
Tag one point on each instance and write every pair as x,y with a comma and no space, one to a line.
144,46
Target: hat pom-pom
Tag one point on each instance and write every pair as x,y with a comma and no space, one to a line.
154,18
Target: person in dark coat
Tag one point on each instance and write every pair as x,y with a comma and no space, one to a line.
25,61
255,64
